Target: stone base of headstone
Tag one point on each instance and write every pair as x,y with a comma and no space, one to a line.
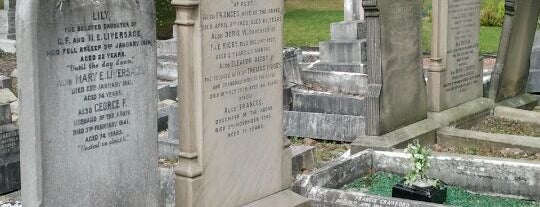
303,159
344,51
464,114
328,103
425,131
334,127
285,198
339,67
344,82
525,101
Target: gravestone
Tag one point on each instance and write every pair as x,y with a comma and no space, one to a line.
455,76
88,102
10,179
509,80
534,74
396,105
232,151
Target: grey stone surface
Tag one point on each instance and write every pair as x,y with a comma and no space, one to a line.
478,174
513,61
397,90
329,103
344,82
339,67
464,115
303,159
524,101
10,171
343,51
6,96
348,30
453,137
5,82
88,107
517,114
5,114
534,80
424,131
323,126
455,75
353,10
291,68
502,177
168,148
167,187
167,114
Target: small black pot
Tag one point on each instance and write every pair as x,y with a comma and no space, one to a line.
428,194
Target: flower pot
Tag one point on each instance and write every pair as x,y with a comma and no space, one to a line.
427,194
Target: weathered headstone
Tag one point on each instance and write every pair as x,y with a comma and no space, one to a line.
88,102
232,150
509,79
534,74
455,76
10,179
396,87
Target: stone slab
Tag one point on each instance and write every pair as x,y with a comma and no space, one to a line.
6,96
455,76
87,76
394,65
303,159
323,126
464,115
168,148
339,67
349,30
517,114
8,45
285,198
453,137
524,101
510,177
344,82
343,51
424,131
327,103
10,170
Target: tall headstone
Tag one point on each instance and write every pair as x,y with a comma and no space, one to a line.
396,105
88,102
455,76
509,79
534,74
233,151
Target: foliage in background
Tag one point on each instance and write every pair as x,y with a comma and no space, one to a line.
165,16
492,13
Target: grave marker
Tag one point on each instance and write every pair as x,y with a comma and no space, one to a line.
88,102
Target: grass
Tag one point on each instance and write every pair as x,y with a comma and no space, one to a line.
489,38
381,184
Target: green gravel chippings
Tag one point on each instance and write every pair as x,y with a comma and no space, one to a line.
381,184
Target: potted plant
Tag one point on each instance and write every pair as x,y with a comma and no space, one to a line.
417,185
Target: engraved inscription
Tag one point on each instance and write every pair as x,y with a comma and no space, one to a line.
100,65
463,46
241,43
